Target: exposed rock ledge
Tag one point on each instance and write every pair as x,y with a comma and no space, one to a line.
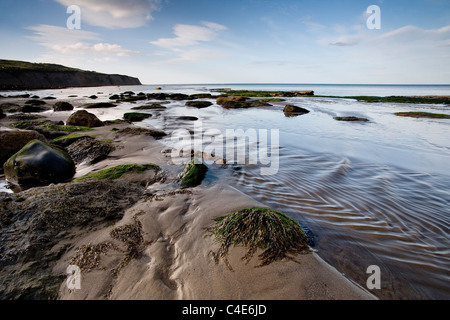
17,75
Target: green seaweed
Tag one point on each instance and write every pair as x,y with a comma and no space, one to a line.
136,116
149,107
423,115
193,174
119,171
257,228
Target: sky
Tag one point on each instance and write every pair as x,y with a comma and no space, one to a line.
229,41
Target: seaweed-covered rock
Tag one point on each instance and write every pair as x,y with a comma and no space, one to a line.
136,116
198,104
142,131
10,107
294,110
351,119
85,119
90,150
62,106
37,163
192,174
221,100
11,141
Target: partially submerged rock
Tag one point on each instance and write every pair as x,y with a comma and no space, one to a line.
37,163
142,131
198,104
62,106
351,119
292,111
100,105
136,116
85,119
192,174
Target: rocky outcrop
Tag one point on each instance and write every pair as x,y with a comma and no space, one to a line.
38,164
84,119
17,75
36,223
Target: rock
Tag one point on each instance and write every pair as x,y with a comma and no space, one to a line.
291,111
193,174
158,88
84,119
202,96
114,97
10,107
221,100
35,221
93,97
37,163
34,108
62,106
179,96
35,97
67,140
351,119
12,141
198,104
36,102
187,118
136,116
89,150
139,131
2,115
149,107
101,105
157,96
49,98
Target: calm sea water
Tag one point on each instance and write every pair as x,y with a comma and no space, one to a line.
375,193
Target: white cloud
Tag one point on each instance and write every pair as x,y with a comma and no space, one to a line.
190,35
66,41
115,14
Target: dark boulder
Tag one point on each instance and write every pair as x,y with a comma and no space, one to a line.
192,174
11,141
37,164
198,104
136,116
100,105
62,106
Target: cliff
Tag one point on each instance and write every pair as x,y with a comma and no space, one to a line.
19,75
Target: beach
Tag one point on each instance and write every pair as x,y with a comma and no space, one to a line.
347,201
174,259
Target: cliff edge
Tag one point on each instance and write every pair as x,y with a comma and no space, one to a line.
20,75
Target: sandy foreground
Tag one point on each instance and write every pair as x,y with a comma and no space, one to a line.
174,259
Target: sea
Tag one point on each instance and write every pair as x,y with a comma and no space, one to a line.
373,193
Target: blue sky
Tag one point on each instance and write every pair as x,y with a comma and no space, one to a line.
245,41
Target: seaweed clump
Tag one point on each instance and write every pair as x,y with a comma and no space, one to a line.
271,231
